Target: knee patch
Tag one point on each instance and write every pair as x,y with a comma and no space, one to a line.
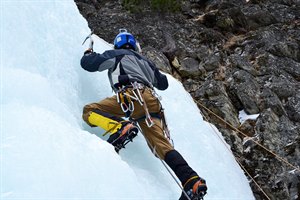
107,122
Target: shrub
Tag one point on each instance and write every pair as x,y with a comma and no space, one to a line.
159,5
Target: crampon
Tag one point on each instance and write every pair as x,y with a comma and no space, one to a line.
120,139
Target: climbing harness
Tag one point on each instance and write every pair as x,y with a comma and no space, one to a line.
160,115
125,99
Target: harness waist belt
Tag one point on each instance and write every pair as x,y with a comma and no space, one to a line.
154,115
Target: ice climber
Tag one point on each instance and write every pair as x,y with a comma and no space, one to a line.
133,78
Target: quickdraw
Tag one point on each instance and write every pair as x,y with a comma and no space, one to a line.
138,96
126,103
165,126
124,99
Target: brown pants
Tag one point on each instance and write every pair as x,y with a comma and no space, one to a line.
154,135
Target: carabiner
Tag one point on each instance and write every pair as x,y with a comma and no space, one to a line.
131,106
122,107
149,121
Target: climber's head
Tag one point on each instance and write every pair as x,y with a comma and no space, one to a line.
125,40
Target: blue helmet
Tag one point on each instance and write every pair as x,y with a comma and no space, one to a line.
125,40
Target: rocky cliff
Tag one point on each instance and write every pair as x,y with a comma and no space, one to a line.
231,56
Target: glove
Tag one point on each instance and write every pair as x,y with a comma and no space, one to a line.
88,51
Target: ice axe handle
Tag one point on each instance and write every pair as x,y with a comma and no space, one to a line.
91,44
91,40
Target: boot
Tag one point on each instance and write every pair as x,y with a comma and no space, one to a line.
193,185
195,189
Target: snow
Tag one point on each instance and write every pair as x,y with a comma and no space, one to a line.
48,152
243,116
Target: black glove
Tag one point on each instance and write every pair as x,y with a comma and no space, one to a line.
88,51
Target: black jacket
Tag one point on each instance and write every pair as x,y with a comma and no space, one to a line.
124,67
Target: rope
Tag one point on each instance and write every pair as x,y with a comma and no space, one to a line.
259,187
266,149
165,165
253,179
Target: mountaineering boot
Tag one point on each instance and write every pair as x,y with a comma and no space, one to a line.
195,189
193,185
126,133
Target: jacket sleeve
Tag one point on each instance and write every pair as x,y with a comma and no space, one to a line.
162,81
98,62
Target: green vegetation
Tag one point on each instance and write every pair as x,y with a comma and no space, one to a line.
132,5
158,5
166,5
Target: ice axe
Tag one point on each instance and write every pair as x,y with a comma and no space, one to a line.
91,40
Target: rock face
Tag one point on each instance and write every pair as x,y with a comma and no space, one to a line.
231,55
